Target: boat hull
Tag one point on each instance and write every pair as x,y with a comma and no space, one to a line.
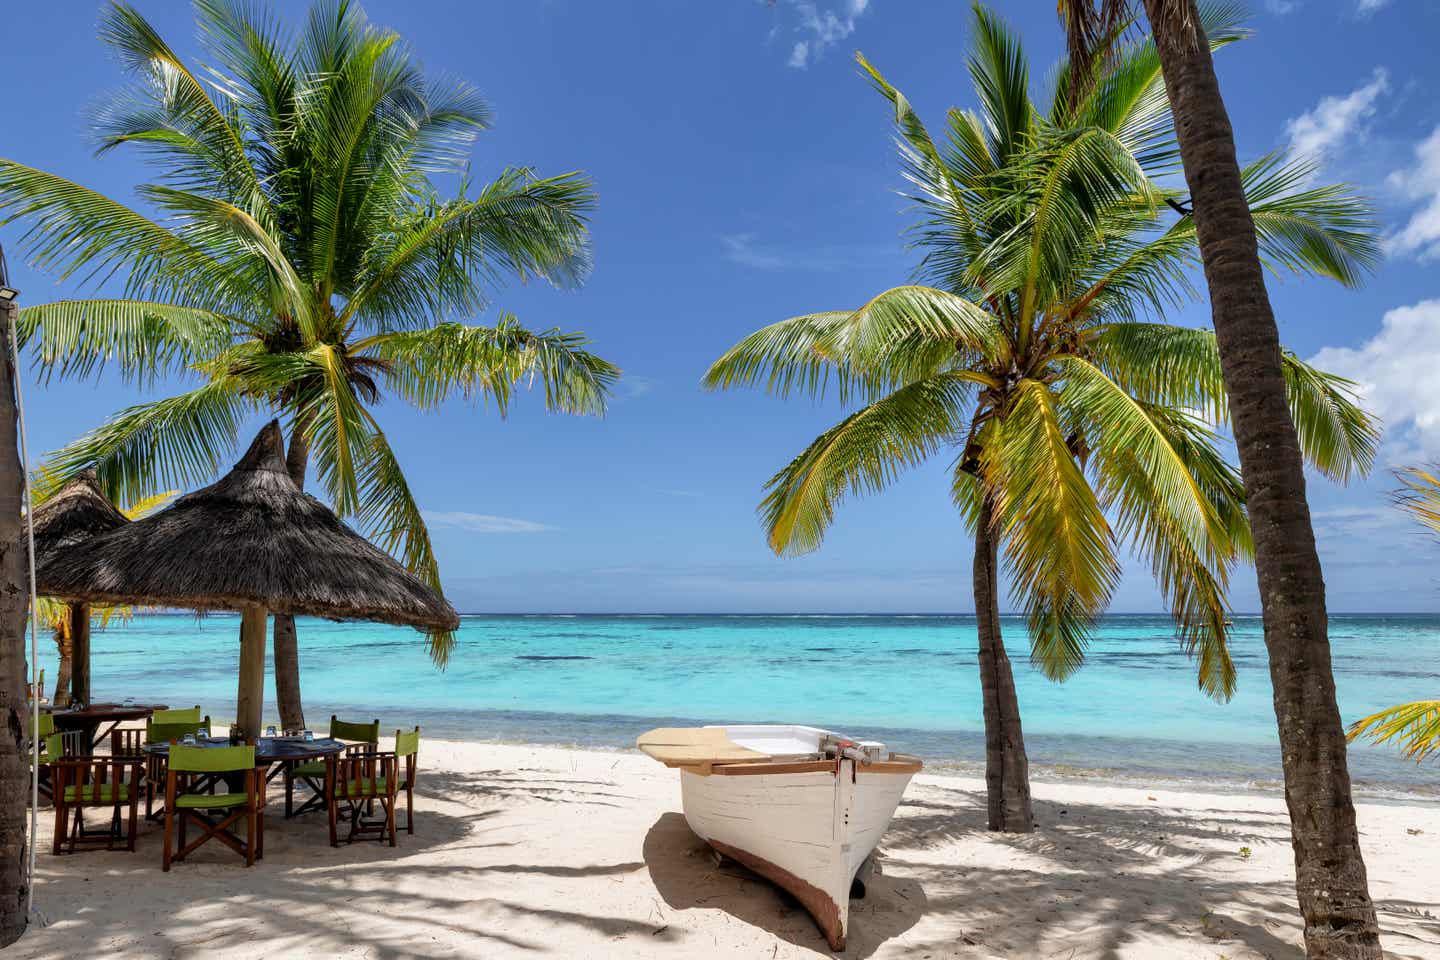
807,827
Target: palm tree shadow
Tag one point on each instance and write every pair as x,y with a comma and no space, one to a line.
686,876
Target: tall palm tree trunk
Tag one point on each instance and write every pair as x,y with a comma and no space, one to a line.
14,598
1007,770
287,646
1329,870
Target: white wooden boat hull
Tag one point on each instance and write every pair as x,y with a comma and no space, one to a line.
806,826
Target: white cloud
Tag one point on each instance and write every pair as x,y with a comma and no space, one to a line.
482,522
1281,7
1396,373
1421,182
821,28
740,248
1367,7
1318,132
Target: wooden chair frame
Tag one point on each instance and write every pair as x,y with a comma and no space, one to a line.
155,764
179,783
355,780
70,744
409,753
366,737
93,775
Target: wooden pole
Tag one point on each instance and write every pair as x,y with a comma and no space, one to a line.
80,652
251,697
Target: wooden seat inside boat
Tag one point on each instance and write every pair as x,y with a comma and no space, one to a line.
692,746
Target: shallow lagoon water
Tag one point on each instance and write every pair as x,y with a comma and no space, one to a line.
1133,711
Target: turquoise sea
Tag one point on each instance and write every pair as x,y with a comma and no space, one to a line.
1132,711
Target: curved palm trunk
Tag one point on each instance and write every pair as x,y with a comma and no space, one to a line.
14,717
63,645
1007,770
287,646
1329,870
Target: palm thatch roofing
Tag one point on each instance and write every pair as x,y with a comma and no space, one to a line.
252,538
76,512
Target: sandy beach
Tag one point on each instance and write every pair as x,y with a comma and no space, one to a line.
529,851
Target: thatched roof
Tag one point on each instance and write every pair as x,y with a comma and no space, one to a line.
77,512
251,538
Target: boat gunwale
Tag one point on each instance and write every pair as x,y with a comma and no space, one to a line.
899,763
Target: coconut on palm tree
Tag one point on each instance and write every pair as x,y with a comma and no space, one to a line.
299,253
1414,726
1330,878
1079,425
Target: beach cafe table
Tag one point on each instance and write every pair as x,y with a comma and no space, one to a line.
96,715
272,754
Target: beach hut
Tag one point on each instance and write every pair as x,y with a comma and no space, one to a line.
252,542
76,513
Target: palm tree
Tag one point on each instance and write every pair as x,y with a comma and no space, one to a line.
308,262
14,601
1077,425
1329,869
1414,726
59,617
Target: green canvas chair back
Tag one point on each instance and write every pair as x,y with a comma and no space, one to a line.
52,748
357,732
185,759
407,744
168,732
188,715
47,725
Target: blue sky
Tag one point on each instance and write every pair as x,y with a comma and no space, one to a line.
746,174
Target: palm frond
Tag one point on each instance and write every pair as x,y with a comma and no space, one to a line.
862,454
428,366
180,441
1415,727
387,511
79,338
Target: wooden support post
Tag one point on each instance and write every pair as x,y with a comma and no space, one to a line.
80,652
251,697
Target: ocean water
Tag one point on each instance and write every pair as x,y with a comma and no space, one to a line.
1133,711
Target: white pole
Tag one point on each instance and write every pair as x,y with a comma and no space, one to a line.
36,690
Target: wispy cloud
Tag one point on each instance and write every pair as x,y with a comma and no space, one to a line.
1367,7
482,522
1395,370
749,250
1282,7
1319,132
1420,183
820,28
741,248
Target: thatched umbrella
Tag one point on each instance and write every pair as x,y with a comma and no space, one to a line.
252,542
77,512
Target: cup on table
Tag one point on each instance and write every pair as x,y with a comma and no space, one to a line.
308,735
270,730
188,739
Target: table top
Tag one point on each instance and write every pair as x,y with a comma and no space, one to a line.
109,711
267,749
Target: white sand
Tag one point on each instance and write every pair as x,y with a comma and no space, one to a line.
525,852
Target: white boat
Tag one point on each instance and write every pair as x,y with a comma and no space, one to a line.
801,806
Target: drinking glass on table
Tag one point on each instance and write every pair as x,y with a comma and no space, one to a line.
188,740
270,730
309,735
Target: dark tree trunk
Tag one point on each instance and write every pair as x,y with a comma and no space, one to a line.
1329,870
14,715
79,652
287,646
63,646
1007,770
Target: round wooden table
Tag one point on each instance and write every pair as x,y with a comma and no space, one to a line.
96,715
272,755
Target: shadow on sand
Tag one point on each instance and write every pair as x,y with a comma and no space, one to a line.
685,875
